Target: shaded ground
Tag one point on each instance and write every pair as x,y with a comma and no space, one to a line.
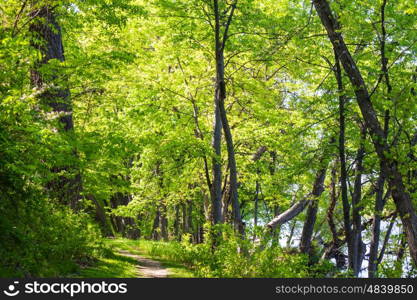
148,268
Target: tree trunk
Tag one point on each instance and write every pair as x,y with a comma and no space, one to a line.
357,243
342,158
163,221
389,164
255,221
379,201
155,235
124,225
216,188
400,254
47,39
185,220
333,249
376,227
308,228
190,218
220,96
104,221
177,223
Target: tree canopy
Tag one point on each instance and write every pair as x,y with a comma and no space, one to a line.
277,134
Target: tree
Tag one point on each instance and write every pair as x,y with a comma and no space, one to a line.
389,164
54,93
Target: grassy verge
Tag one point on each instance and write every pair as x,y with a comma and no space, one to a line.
110,265
144,248
114,265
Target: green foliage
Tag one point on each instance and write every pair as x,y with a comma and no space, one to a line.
42,239
141,78
235,258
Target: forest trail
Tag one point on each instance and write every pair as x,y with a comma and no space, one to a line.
147,268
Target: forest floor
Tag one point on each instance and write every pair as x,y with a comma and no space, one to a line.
132,259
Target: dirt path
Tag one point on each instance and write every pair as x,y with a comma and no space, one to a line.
147,267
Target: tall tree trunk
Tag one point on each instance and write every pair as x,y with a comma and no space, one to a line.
216,188
389,164
220,96
379,201
343,170
332,206
357,243
177,223
255,221
47,38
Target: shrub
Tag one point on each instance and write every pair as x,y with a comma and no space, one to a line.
233,257
47,241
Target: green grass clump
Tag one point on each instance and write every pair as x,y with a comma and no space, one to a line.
111,265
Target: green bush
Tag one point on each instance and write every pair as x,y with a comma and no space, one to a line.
49,240
233,257
38,237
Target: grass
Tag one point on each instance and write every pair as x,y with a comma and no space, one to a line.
145,248
113,265
110,265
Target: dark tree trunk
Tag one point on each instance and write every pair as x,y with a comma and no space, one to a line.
124,225
310,221
220,96
332,206
290,236
343,171
400,254
389,164
190,218
357,243
216,188
376,227
47,39
177,223
155,235
386,240
185,219
163,222
104,221
333,249
255,221
379,201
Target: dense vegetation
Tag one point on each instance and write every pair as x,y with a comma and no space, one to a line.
247,138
